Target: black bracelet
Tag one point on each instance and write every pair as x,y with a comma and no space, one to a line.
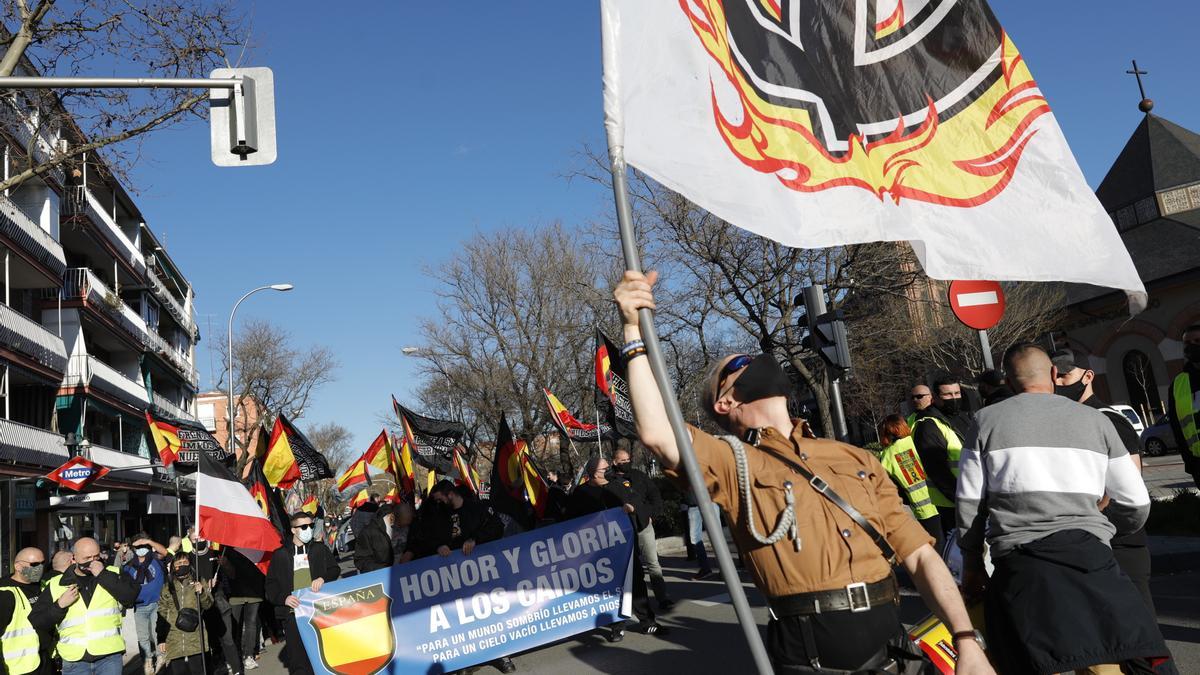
633,354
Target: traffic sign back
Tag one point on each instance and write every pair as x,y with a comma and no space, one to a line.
977,304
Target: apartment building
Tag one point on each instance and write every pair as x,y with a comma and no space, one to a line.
97,325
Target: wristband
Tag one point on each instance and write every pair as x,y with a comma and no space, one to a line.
968,635
628,351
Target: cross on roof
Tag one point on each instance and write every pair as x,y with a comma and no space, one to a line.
1146,104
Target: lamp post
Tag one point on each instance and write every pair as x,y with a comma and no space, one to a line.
417,352
272,287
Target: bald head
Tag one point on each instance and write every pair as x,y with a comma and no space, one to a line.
86,548
61,561
1028,369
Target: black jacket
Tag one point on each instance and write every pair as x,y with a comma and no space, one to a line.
278,586
1061,603
373,547
438,527
591,498
242,576
647,500
933,450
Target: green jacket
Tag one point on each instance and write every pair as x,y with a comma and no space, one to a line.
181,643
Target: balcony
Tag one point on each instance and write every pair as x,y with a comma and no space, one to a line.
86,370
35,241
83,284
174,308
20,334
117,460
170,408
21,125
31,445
79,201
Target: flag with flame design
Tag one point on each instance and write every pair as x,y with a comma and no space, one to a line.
822,123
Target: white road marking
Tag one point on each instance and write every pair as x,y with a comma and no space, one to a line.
722,599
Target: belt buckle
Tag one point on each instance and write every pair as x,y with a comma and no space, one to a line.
857,595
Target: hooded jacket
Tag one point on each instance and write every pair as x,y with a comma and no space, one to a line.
373,545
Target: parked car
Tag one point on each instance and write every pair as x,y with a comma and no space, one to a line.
1158,438
1131,415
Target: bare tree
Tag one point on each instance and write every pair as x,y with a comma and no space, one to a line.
273,376
334,441
163,38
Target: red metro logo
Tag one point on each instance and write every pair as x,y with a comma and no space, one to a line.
926,100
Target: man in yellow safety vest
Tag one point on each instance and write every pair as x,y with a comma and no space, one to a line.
86,603
938,434
17,634
1185,403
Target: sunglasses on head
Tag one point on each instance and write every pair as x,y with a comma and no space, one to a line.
306,526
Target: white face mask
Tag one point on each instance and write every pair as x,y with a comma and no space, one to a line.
305,536
141,552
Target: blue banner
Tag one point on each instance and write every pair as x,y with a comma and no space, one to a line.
436,615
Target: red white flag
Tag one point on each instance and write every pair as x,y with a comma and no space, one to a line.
227,513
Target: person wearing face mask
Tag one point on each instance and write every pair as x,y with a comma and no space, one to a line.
302,562
218,619
86,604
819,522
184,598
26,649
647,503
1185,403
938,434
148,573
373,545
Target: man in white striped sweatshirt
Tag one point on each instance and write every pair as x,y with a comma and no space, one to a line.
1033,470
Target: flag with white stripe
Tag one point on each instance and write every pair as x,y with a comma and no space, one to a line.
226,512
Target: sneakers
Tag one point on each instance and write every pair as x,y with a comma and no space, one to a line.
506,665
655,629
249,663
702,574
616,635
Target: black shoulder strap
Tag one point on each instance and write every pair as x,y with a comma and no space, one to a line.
827,492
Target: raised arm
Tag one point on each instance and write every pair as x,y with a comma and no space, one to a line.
633,293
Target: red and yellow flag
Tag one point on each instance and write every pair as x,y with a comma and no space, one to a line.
310,505
359,499
466,472
353,479
166,439
402,461
292,457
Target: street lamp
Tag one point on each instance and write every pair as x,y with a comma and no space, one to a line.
272,287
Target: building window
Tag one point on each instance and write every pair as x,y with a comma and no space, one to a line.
1141,385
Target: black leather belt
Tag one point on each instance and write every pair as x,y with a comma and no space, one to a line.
858,597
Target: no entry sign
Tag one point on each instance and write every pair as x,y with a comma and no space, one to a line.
978,304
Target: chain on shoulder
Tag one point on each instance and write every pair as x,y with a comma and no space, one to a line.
787,520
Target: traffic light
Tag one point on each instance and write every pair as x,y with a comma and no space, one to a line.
829,340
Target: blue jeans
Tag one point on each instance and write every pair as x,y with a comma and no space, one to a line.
696,534
109,665
145,620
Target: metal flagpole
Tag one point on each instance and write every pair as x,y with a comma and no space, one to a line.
683,438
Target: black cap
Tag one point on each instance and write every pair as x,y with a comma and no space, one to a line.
1066,360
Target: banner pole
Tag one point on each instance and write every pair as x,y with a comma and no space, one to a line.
683,439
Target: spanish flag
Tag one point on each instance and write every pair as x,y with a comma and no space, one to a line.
353,479
466,472
166,439
291,457
402,461
359,499
571,427
310,505
376,462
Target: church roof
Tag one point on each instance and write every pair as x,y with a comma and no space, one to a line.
1152,192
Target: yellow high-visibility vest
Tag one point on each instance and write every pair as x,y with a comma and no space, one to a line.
93,628
1185,413
20,641
901,462
954,446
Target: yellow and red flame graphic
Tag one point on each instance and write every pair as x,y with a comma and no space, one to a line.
963,159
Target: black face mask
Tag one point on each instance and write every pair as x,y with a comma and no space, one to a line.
183,572
621,467
950,406
1071,391
82,571
763,378
1192,354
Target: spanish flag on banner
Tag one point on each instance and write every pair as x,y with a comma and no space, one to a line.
182,440
466,472
292,457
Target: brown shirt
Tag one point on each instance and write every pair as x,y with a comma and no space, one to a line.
835,552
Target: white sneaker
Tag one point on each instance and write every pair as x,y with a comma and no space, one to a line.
249,663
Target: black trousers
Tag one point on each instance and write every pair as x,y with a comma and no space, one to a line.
841,640
245,627
188,665
218,624
297,657
1134,561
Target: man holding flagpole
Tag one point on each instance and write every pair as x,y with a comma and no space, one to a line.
836,522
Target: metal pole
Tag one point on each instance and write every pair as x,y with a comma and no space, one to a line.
683,438
118,83
232,444
178,507
814,304
986,346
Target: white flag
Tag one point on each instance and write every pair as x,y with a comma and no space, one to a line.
828,122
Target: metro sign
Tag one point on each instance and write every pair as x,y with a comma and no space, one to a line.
77,473
978,304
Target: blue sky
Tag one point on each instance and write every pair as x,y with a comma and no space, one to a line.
404,128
